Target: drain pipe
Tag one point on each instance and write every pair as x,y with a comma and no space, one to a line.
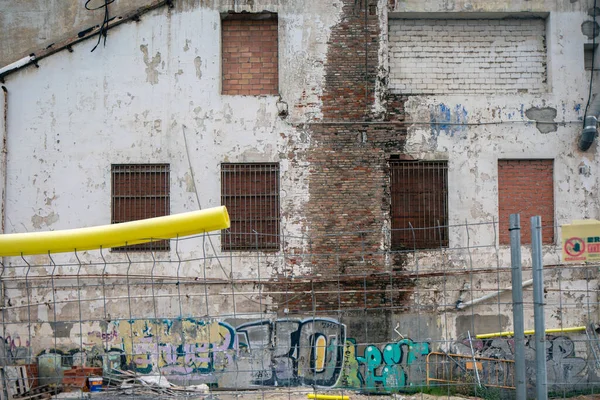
462,305
592,110
590,126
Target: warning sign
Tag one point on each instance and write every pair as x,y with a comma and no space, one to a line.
581,241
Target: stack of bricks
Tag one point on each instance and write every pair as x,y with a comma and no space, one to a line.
250,57
430,56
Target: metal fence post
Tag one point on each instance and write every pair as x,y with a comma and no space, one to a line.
517,298
538,309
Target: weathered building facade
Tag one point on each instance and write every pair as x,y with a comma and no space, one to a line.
369,151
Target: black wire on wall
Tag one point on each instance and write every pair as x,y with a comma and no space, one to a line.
104,26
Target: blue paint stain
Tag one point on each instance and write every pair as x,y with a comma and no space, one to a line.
147,330
577,107
447,119
445,115
169,324
522,111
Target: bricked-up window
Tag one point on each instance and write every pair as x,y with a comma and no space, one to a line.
526,187
250,54
140,191
491,56
419,192
251,194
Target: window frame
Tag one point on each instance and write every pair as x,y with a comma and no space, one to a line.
268,241
163,177
434,235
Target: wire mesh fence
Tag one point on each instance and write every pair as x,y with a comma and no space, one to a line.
339,314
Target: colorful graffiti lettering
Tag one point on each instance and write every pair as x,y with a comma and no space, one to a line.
301,352
564,368
181,347
390,369
14,350
282,352
105,336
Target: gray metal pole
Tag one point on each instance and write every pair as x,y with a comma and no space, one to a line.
541,387
517,298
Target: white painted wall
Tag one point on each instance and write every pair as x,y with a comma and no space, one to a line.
499,128
130,101
450,56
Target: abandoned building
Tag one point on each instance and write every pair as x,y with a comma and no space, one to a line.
369,153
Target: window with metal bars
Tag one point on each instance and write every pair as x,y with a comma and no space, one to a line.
250,191
419,204
140,191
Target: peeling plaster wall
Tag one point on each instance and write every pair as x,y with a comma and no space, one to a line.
470,6
472,132
500,126
28,26
133,101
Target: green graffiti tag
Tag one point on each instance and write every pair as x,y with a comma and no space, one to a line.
387,369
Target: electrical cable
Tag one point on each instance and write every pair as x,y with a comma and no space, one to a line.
104,26
593,57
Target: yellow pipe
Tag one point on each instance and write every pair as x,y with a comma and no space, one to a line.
106,236
327,397
531,332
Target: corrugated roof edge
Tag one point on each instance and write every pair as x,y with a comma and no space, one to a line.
88,33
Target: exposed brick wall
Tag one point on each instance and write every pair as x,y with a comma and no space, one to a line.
350,79
349,177
467,56
250,57
329,297
526,187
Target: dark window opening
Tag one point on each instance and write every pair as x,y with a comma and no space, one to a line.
419,209
251,194
140,191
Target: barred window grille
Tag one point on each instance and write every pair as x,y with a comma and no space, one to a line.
251,194
140,191
419,191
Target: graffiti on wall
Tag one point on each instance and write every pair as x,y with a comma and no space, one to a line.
180,347
564,368
15,350
394,366
282,352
